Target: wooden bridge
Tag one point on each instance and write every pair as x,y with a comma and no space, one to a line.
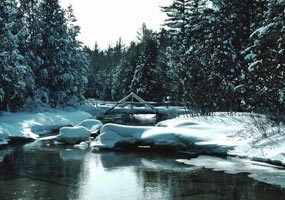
132,104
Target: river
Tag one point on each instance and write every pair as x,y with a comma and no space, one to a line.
35,171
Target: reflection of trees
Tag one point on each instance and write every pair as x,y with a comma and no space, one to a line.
160,177
36,174
205,184
111,160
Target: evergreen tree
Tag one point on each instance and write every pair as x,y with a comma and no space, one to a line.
96,60
53,40
265,72
103,71
183,21
77,60
124,72
31,47
145,81
60,71
164,41
16,78
219,61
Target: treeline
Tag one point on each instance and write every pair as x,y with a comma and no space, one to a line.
222,55
219,55
41,62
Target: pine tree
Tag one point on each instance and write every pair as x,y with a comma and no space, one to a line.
61,63
124,72
105,66
219,60
16,78
265,72
166,79
183,21
145,81
77,60
95,61
31,47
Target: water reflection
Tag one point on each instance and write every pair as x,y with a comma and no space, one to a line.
111,175
62,172
145,176
38,174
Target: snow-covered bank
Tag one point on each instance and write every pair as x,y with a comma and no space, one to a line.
212,132
262,172
221,133
31,125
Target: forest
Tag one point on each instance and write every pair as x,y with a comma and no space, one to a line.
219,55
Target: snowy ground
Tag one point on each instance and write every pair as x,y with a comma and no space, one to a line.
241,132
234,135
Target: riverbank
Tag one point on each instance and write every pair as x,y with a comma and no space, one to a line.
239,135
244,134
222,133
250,135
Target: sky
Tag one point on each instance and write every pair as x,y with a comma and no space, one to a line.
105,21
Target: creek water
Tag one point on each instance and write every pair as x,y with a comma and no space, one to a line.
35,171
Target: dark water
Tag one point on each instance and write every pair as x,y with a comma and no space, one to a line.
62,172
128,119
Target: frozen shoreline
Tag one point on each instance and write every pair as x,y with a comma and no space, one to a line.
233,135
236,131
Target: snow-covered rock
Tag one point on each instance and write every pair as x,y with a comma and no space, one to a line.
73,135
114,136
208,132
92,125
78,134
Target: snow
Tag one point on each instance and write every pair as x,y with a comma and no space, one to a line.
257,170
73,135
271,148
32,125
260,32
232,134
181,133
253,65
92,125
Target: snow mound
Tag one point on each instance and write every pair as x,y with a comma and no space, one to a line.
177,137
111,134
73,135
92,125
78,134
